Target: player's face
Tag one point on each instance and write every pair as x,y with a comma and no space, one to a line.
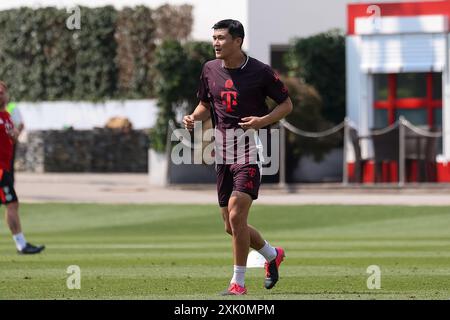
224,44
3,96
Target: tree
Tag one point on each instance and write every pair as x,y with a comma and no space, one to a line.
306,115
320,61
178,69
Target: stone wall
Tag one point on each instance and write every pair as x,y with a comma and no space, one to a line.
98,150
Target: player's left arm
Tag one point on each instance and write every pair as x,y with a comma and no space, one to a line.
278,113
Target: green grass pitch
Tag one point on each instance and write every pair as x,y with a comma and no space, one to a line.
182,252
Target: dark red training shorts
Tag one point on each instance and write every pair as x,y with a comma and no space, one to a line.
237,177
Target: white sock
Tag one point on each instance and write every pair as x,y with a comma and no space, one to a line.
239,275
268,252
20,241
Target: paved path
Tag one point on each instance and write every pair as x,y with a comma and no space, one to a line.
134,188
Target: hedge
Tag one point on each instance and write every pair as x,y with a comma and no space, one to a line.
110,57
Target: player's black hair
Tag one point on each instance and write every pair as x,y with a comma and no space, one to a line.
234,27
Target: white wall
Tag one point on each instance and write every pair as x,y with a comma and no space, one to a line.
86,115
276,22
353,58
206,12
393,53
359,96
446,104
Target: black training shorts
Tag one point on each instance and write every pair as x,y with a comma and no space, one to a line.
7,192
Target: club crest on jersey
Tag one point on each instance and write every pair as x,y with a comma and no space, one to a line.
229,98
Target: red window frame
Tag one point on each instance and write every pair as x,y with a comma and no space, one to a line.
392,103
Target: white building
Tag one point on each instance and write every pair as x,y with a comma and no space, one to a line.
398,65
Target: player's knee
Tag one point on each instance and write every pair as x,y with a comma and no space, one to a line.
236,220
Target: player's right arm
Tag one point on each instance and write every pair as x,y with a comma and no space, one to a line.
201,113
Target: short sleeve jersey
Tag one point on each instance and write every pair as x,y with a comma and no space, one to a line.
241,92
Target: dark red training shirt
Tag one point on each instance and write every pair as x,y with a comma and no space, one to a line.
239,93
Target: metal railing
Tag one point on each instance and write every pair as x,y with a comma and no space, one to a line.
402,124
284,125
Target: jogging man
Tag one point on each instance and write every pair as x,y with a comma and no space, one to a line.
8,197
235,86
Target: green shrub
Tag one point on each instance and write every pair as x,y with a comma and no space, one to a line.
110,57
176,86
320,61
307,116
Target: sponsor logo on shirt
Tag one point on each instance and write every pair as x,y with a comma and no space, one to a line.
229,98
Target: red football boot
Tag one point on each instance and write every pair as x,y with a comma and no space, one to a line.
234,290
272,269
